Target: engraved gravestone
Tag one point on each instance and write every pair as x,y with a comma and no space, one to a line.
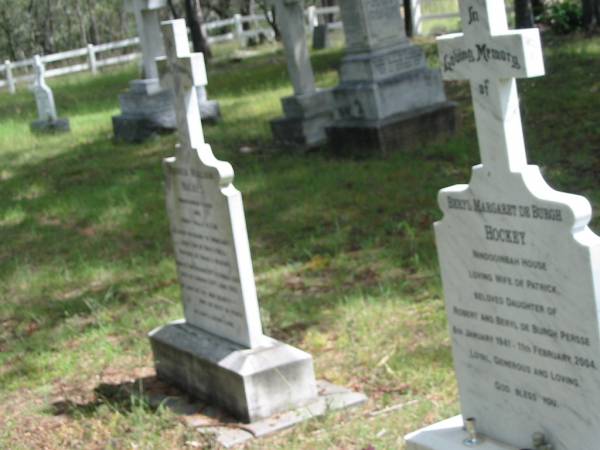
218,352
387,96
48,120
309,110
520,268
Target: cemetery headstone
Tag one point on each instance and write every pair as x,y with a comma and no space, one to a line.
320,37
387,96
48,120
218,352
309,110
146,109
520,267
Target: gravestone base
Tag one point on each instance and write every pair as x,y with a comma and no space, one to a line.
357,137
305,119
320,37
136,129
146,110
50,126
449,435
210,111
252,384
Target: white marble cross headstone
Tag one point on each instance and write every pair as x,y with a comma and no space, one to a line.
206,212
290,19
520,267
147,20
43,94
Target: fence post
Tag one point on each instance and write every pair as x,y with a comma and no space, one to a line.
239,29
313,20
417,18
10,81
92,58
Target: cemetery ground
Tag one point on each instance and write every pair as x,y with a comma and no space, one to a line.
343,254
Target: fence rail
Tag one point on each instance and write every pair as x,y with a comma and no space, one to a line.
89,58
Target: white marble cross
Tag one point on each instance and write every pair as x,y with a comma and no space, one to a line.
290,19
43,94
206,211
492,57
183,72
147,20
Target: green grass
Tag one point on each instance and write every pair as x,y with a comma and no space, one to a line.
343,252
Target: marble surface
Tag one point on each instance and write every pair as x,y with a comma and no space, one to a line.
372,24
206,213
290,19
147,20
44,98
448,435
252,384
520,268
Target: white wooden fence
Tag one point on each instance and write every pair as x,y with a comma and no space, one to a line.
90,58
15,72
232,29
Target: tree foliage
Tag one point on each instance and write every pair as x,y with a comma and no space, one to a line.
47,26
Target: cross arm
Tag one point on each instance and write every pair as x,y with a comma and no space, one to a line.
513,54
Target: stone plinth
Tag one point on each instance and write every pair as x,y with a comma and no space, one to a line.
448,435
305,119
146,110
384,80
252,384
401,131
50,126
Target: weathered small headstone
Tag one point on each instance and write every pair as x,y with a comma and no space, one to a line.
210,111
320,37
309,110
146,109
48,120
387,98
219,352
520,267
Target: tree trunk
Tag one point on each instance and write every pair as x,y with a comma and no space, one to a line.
195,20
8,32
328,18
538,7
591,14
269,12
523,14
94,35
